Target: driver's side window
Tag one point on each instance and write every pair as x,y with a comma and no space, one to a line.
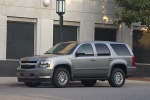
85,50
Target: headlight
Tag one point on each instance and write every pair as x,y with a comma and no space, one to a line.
44,63
19,64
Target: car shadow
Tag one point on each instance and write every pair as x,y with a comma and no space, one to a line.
72,85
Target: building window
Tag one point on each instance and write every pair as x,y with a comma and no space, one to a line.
105,34
69,34
141,46
20,40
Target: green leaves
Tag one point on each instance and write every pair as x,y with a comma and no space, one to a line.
133,11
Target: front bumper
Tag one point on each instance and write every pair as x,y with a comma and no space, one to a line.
131,71
34,75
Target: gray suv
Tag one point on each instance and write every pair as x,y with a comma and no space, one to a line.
79,61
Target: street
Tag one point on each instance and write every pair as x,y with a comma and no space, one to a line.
10,89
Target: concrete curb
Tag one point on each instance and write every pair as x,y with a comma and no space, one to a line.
139,79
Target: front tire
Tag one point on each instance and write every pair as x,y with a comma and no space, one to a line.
61,78
88,83
32,84
117,78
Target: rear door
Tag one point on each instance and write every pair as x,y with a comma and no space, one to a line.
103,59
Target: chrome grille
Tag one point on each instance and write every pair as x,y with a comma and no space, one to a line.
28,61
27,66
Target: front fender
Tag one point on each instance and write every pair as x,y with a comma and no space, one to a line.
61,62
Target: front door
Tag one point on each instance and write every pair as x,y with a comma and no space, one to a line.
84,64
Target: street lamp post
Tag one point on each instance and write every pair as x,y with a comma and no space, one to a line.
60,10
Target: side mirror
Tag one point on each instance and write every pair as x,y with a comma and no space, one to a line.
79,54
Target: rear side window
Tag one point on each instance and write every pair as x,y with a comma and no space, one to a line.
120,49
102,50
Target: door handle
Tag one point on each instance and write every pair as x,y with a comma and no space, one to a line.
110,59
92,59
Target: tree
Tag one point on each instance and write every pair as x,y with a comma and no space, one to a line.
133,11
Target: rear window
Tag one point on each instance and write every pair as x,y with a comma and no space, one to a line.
120,49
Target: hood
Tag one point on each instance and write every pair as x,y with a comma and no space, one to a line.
39,57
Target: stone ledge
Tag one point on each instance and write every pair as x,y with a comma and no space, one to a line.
8,68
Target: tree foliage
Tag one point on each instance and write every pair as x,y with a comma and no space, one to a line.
133,11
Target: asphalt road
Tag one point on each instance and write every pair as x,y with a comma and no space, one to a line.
10,89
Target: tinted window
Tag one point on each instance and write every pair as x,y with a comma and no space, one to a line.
102,50
120,49
87,49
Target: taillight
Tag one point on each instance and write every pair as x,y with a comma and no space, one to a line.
133,61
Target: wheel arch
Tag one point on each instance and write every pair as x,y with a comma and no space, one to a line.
66,66
121,66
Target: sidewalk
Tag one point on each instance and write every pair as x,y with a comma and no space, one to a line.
139,79
8,80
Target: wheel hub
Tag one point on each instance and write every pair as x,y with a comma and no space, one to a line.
62,78
118,77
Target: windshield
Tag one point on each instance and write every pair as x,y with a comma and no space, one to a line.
63,48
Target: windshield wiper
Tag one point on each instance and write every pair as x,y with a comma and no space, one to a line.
59,53
54,53
48,53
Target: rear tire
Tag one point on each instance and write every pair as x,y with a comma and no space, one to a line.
32,84
117,78
61,78
88,83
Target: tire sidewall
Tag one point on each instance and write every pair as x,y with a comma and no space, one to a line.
112,77
55,81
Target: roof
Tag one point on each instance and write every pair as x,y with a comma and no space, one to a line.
94,42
